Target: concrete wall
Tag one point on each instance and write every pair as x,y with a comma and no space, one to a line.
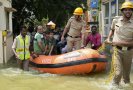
104,37
102,16
3,13
9,53
1,48
106,26
6,50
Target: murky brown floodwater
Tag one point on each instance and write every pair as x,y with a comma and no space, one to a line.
11,78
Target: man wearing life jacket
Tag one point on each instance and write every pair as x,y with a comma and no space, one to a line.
122,29
77,25
20,48
39,46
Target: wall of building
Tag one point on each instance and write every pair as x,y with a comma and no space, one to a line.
110,9
9,53
6,50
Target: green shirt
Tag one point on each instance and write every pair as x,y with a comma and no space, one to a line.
50,43
38,38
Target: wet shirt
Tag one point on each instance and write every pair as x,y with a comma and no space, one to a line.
76,27
123,30
50,43
94,39
38,38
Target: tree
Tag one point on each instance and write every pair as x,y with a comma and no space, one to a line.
22,13
58,11
42,23
99,5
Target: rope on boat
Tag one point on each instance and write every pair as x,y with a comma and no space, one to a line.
114,65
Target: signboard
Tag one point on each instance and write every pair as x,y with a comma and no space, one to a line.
94,12
113,2
113,9
131,1
94,4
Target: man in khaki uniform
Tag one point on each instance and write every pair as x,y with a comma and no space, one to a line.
77,25
122,29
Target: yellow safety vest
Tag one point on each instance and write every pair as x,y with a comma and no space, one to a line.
23,47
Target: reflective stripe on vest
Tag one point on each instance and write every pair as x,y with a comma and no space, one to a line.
23,47
22,52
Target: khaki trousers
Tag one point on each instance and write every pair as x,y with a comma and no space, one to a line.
76,42
124,61
23,64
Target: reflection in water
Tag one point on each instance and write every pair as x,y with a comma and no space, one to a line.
14,79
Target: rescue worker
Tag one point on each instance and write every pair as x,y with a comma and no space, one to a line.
122,29
20,48
77,25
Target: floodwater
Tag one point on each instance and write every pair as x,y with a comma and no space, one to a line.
11,78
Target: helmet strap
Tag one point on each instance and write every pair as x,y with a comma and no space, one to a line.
79,17
127,17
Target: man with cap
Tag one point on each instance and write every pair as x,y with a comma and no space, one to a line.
122,29
77,25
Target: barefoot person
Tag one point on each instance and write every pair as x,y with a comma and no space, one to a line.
20,48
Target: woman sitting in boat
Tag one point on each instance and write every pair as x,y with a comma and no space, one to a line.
51,45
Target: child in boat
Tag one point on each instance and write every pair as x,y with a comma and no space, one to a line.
51,45
46,36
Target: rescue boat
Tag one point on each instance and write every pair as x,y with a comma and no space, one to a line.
77,62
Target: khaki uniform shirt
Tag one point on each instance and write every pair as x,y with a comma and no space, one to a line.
123,30
76,27
15,41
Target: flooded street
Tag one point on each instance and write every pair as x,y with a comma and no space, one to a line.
14,79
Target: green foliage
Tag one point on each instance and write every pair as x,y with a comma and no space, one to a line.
42,23
99,5
45,21
58,11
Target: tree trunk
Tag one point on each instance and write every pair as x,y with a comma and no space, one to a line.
56,18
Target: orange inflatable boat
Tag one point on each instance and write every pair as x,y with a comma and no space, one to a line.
76,62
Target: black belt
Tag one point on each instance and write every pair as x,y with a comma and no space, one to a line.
119,47
74,37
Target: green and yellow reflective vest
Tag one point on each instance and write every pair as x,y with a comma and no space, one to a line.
23,47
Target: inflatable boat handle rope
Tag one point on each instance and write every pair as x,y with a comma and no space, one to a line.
114,62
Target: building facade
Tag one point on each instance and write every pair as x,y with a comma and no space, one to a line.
6,11
110,9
